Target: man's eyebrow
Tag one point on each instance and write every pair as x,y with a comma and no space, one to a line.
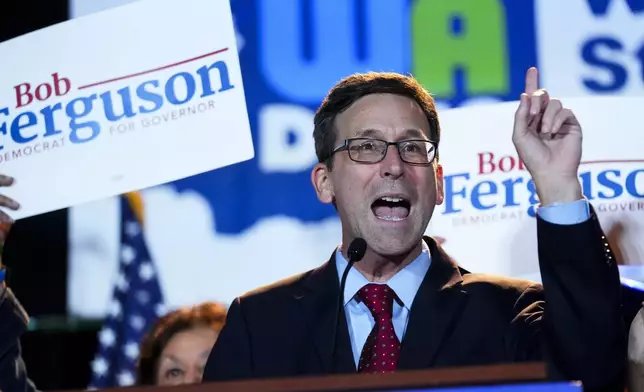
366,132
414,133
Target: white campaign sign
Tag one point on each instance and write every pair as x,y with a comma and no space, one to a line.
86,115
602,52
487,217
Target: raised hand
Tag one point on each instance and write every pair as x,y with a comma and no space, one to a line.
548,139
5,202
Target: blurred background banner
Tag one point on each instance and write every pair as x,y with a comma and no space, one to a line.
216,235
487,217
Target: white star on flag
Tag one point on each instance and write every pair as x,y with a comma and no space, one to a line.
115,309
146,271
132,350
107,337
121,282
99,366
137,322
126,378
132,229
160,310
128,254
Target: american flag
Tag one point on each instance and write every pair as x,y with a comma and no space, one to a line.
136,303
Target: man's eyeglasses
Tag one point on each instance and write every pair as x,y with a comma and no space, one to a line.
366,150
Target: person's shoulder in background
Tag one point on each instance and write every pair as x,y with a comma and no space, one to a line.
13,323
636,353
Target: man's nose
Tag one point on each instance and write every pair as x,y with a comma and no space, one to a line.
392,166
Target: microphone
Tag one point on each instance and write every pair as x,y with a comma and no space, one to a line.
357,249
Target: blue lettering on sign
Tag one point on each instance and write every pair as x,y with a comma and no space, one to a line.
307,46
600,7
79,109
485,195
609,53
595,185
610,62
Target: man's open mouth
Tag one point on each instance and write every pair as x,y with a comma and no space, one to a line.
391,208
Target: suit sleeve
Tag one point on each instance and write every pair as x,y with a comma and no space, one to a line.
13,322
582,329
230,358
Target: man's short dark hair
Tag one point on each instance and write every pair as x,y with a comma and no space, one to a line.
350,89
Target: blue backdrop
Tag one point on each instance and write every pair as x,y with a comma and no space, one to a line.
293,51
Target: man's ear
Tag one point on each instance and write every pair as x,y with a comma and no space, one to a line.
440,195
321,179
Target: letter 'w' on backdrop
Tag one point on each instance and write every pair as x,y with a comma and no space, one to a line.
121,100
487,218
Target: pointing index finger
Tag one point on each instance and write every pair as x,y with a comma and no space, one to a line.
531,81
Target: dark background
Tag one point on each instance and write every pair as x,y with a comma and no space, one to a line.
57,350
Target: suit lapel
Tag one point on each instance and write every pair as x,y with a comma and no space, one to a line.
318,302
435,309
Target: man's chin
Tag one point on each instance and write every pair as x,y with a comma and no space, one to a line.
392,239
393,247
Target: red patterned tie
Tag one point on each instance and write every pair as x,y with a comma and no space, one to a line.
380,352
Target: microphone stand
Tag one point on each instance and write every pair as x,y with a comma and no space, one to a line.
356,252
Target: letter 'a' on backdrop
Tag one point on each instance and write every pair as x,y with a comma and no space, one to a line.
121,100
487,219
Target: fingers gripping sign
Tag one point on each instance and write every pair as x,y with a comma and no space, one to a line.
548,137
6,203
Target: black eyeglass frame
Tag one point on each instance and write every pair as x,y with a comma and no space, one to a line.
346,142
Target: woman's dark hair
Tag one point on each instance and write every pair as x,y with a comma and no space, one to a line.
208,314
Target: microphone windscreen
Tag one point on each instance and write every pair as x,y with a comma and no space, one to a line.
357,249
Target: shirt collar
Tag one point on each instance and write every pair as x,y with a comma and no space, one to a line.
405,282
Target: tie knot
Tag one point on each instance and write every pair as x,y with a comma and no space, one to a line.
379,298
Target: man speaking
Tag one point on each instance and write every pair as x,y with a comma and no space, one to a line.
389,298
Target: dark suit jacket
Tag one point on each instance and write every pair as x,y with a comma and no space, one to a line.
457,318
13,322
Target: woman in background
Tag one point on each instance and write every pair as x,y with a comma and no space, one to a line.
636,354
176,348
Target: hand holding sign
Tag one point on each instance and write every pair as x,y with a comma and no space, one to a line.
548,138
5,220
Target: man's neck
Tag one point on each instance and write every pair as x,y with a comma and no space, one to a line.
378,268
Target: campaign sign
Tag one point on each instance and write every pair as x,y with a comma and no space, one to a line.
86,115
488,216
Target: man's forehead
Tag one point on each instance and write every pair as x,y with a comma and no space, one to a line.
383,114
405,133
